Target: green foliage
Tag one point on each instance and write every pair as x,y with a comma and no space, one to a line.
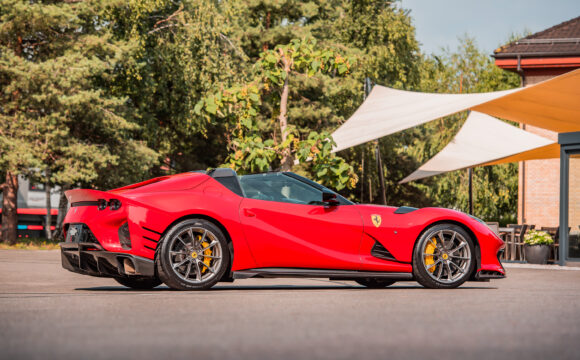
467,70
303,57
326,167
59,122
535,237
182,50
31,244
103,93
240,107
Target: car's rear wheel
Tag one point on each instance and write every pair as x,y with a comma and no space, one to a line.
138,283
193,255
444,257
375,283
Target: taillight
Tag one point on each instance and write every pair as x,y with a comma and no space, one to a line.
102,204
114,204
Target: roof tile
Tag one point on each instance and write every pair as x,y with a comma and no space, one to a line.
559,40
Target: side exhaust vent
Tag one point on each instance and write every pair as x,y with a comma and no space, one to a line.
381,252
125,236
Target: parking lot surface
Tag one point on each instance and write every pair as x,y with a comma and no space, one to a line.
48,312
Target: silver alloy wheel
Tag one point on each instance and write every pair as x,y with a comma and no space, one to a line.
195,255
446,256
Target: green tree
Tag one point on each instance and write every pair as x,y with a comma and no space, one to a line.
381,35
183,49
378,35
466,70
56,108
240,105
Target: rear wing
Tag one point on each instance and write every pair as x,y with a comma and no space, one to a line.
89,196
143,183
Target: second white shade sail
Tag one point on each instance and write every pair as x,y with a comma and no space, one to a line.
484,140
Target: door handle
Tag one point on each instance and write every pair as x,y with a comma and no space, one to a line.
249,213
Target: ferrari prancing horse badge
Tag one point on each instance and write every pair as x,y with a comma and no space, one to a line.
376,219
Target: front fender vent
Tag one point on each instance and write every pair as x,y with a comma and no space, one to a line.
381,252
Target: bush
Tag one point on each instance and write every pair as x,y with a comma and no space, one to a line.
535,237
31,244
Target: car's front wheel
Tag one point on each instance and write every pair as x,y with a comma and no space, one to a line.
193,255
443,257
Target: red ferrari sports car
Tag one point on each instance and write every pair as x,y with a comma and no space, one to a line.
195,229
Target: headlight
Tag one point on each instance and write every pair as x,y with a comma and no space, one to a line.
482,222
477,219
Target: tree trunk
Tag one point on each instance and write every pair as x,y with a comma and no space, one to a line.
9,209
48,220
62,205
287,158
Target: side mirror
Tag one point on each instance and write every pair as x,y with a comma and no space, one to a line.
329,198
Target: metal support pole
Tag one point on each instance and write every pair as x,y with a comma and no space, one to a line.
368,86
564,188
569,144
362,176
381,174
367,89
470,173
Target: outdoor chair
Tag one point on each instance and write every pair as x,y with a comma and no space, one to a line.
520,232
554,232
508,238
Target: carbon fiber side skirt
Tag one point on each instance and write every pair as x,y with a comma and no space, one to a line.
319,273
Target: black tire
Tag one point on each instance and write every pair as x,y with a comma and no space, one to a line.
138,283
373,283
462,264
165,261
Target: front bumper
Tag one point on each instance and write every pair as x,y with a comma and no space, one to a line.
91,259
496,273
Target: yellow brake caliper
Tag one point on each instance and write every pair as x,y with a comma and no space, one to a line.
208,252
430,249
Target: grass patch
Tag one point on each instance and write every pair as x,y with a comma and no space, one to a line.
31,244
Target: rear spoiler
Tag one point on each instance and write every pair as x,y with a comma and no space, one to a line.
143,183
82,195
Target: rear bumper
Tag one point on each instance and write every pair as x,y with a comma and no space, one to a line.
90,259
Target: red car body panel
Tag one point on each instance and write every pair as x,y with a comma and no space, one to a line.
268,234
302,236
398,232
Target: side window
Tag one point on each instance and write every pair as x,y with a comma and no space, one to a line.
281,188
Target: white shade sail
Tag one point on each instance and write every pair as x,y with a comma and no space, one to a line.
484,139
553,104
387,111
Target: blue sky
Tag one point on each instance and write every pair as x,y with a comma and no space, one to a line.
440,22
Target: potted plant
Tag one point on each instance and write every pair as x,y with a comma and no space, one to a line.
537,246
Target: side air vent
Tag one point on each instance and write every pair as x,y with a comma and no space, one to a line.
381,252
124,236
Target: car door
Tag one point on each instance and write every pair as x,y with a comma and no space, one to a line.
287,225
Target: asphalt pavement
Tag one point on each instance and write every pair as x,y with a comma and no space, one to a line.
47,312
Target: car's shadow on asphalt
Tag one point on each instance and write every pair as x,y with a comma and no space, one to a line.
277,287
